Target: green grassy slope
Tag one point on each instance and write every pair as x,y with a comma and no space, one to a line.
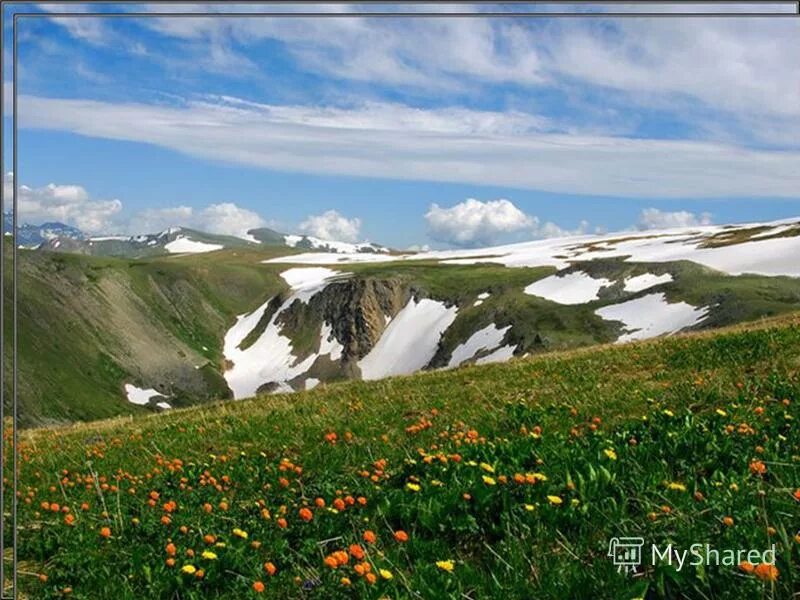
663,440
88,324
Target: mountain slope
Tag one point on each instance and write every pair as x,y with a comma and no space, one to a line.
103,336
506,481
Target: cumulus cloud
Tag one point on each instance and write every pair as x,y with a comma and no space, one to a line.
225,218
330,225
473,222
653,218
70,204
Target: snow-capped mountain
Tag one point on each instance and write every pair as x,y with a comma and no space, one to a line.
32,236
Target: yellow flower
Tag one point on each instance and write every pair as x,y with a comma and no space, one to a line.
188,569
610,454
675,486
539,476
413,487
489,480
386,574
668,412
530,507
721,413
446,565
240,533
555,500
487,467
436,483
209,555
575,502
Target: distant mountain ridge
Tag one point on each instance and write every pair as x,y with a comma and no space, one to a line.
59,237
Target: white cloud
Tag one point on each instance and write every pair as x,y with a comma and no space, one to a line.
653,218
393,141
330,225
225,218
70,204
473,222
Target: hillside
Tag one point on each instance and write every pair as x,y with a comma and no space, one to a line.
492,481
103,336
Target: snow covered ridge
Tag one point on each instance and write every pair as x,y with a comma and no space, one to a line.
652,316
712,246
332,246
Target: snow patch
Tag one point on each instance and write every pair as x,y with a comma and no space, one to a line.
651,316
502,354
409,341
328,343
184,245
647,280
140,396
573,288
311,383
487,338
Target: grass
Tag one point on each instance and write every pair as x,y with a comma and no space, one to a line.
508,481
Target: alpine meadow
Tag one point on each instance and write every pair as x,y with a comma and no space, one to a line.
385,301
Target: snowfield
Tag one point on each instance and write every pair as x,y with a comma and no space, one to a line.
409,341
758,256
651,316
184,245
573,288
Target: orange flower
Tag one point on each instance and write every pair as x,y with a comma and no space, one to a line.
165,520
797,494
757,467
330,561
170,562
746,566
105,532
320,503
371,578
338,504
401,536
370,537
209,539
767,572
306,514
727,521
282,523
171,550
85,506
207,507
356,551
270,568
258,587
69,519
362,501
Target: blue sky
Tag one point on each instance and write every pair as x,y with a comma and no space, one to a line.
548,126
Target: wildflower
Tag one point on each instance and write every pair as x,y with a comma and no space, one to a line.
797,494
727,521
306,514
330,561
320,502
345,581
721,412
487,467
668,412
610,454
188,569
370,537
105,532
371,578
240,533
171,550
413,487
555,500
356,551
767,572
69,519
209,555
746,566
446,565
258,587
387,575
282,523
170,562
401,536
270,568
676,486
757,467
489,480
